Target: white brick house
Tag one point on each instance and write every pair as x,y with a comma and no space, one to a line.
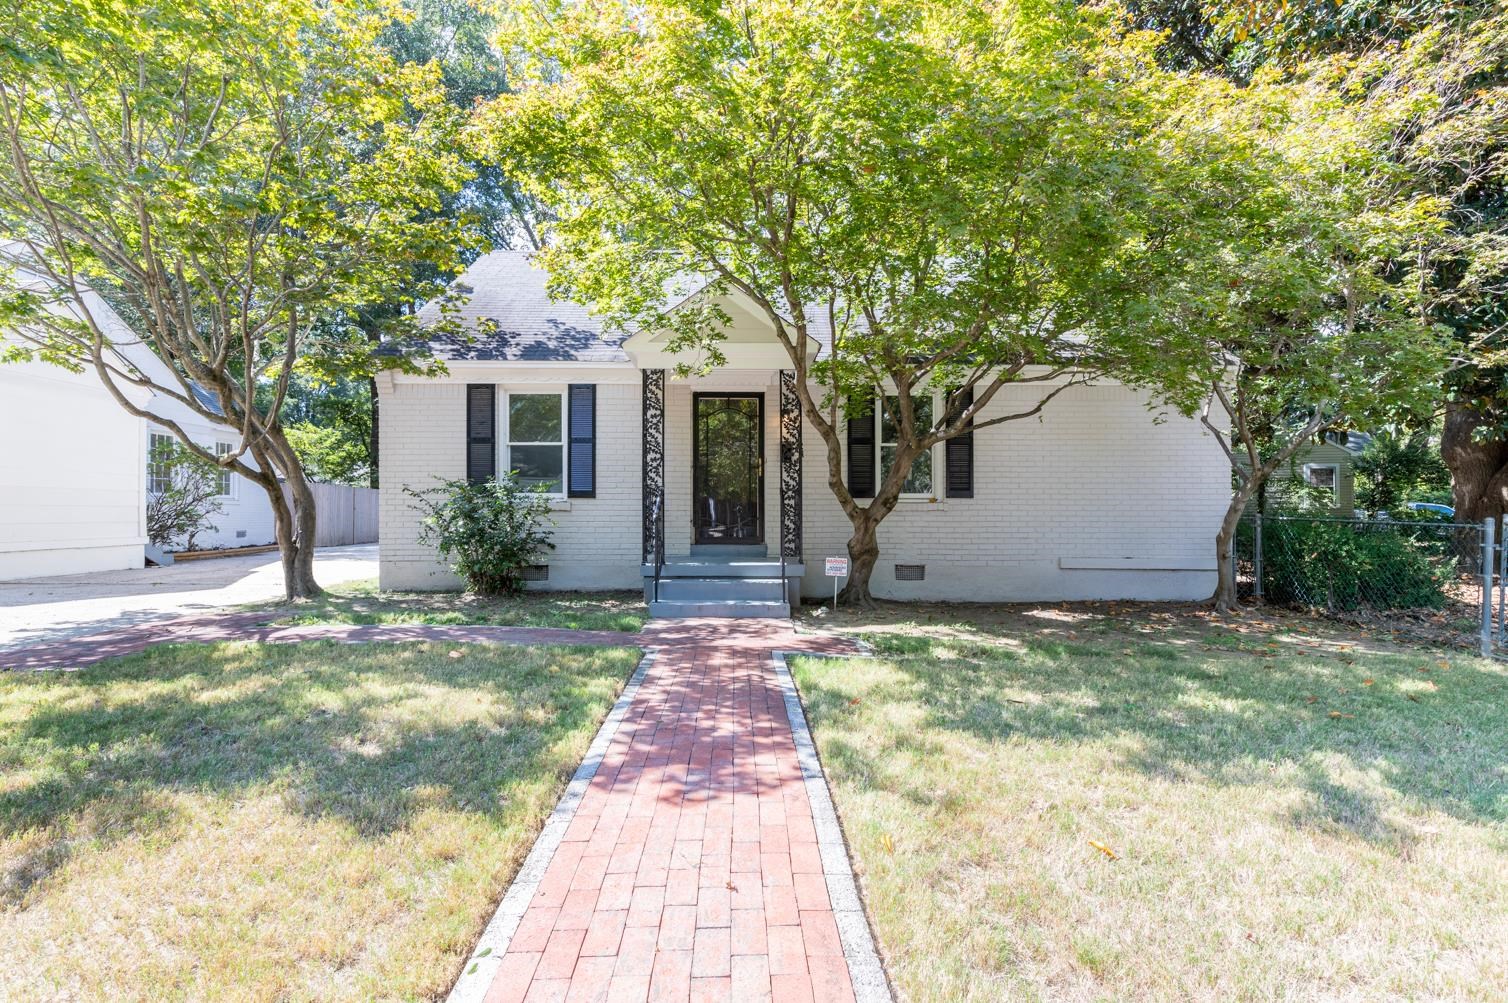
1094,500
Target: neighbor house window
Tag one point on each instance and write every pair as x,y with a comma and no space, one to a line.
536,439
159,463
919,480
1325,476
226,484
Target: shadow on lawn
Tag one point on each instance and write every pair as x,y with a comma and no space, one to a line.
367,735
1222,718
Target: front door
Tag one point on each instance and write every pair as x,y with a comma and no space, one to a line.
727,462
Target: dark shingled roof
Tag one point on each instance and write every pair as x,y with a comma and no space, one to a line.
509,290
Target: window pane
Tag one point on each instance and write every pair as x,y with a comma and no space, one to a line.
919,482
538,465
222,448
158,479
1322,477
921,410
534,417
888,423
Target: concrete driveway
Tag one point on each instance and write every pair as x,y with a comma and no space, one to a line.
38,610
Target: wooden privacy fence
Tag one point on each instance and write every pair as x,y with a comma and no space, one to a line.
345,514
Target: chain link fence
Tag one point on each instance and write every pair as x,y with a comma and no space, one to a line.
1422,578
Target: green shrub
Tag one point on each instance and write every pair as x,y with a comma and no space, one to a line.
1342,565
490,532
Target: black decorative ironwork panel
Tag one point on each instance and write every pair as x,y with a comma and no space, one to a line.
654,454
790,467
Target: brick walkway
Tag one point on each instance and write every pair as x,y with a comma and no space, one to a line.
691,866
691,869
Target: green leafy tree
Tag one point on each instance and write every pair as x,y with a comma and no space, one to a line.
1396,467
230,174
1296,316
1435,70
959,190
328,424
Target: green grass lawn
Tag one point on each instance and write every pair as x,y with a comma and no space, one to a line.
1291,817
362,603
245,822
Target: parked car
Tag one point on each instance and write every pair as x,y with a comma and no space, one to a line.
1444,510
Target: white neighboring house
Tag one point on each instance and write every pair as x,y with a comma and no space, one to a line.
1097,500
245,518
72,474
74,470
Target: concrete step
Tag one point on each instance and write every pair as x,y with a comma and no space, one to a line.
729,551
721,588
727,608
692,567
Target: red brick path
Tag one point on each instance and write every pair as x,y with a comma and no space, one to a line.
691,869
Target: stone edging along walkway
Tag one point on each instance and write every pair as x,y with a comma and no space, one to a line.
709,722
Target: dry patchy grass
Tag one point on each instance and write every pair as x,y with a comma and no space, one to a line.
243,822
1291,814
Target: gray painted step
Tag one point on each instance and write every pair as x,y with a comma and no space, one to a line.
721,588
728,551
729,608
690,567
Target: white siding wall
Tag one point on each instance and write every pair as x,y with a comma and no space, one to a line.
422,442
72,475
1130,505
1092,481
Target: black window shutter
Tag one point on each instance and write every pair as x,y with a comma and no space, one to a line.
861,450
481,432
582,458
959,451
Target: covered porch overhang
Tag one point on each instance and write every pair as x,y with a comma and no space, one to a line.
749,348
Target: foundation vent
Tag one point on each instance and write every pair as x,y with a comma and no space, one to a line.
535,573
910,572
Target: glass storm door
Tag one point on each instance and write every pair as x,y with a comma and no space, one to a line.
727,481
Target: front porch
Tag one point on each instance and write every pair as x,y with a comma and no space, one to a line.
721,537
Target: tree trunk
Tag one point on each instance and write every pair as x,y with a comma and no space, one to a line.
1225,587
863,554
1478,468
294,514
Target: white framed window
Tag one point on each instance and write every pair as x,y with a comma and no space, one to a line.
1325,476
920,481
227,481
159,465
534,441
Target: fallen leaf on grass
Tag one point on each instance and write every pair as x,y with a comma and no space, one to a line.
1104,849
1337,715
1367,682
1413,696
1311,699
887,842
455,654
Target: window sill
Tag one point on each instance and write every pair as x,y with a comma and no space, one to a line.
559,504
918,500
